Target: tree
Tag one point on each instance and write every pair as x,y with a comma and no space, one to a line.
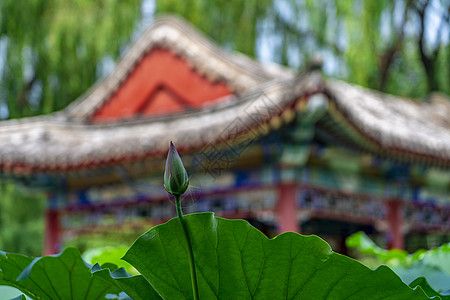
386,45
51,51
430,57
21,223
54,50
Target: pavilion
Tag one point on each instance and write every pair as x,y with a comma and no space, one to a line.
287,151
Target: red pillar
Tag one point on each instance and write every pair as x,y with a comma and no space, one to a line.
287,208
395,219
52,237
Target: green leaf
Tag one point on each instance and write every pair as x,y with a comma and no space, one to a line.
365,245
62,276
11,265
109,255
236,261
21,297
9,292
433,264
422,282
137,287
112,267
437,279
438,257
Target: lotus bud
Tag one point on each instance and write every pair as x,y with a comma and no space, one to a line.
176,179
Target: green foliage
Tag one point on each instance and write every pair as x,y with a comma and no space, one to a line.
21,297
422,282
225,18
365,245
437,279
8,292
363,41
54,49
108,255
438,257
110,238
236,261
63,276
233,261
21,228
434,265
46,67
137,287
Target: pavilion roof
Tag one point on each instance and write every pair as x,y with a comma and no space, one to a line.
54,143
420,130
263,96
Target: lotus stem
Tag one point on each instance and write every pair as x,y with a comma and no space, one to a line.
189,246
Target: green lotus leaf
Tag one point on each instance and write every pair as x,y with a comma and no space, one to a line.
137,287
62,276
236,261
422,282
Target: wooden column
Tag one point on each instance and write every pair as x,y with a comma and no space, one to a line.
52,234
287,208
52,237
394,219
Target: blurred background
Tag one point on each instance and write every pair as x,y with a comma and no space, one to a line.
53,51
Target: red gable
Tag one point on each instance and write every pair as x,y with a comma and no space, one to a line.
170,69
161,83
